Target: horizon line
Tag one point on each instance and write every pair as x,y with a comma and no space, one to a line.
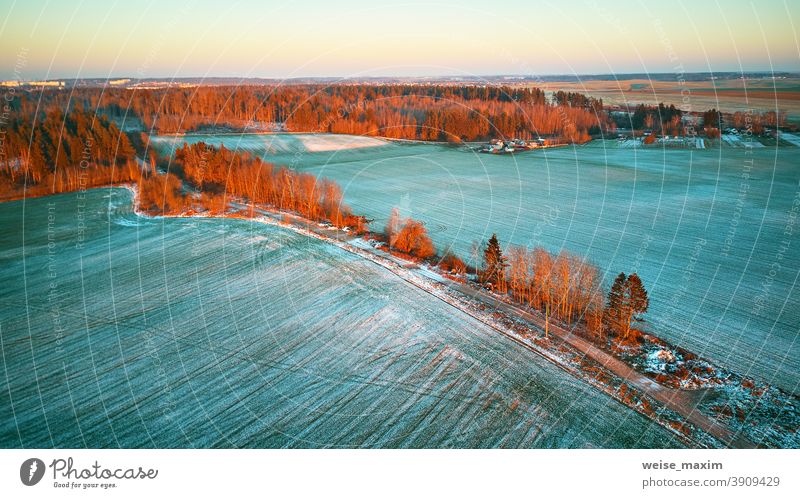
781,72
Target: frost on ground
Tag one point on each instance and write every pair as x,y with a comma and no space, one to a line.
200,332
672,215
670,365
762,413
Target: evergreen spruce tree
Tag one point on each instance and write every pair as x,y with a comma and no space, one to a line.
494,265
626,300
638,301
616,298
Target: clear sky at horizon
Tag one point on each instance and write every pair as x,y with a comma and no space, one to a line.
281,39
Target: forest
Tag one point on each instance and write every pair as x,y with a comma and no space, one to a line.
63,152
667,120
76,151
216,175
415,112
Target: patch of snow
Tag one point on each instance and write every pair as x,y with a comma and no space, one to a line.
792,139
326,143
658,360
426,271
736,141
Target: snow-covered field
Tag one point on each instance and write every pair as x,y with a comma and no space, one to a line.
739,141
276,143
132,331
711,232
792,139
324,143
631,143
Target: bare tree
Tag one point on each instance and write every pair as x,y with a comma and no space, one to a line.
543,284
494,266
392,226
518,272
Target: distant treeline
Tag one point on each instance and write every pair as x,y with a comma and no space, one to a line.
667,120
661,119
574,99
418,112
757,122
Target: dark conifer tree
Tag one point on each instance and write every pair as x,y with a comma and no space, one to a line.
626,300
616,301
638,302
494,265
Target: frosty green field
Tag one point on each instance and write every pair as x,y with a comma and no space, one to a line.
121,330
711,232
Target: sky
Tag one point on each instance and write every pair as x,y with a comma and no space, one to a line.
41,39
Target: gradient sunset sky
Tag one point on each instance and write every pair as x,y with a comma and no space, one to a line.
283,39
